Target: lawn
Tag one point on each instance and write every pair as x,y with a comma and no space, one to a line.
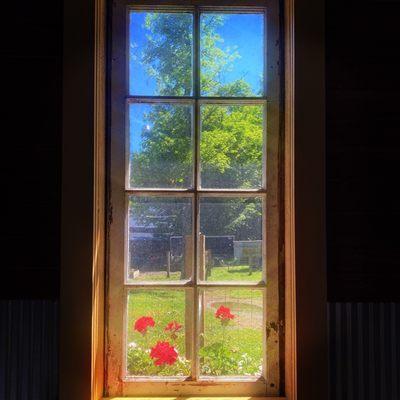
235,273
231,347
227,273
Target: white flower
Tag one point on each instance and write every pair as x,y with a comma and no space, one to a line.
132,345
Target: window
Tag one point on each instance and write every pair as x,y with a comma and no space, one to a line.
301,260
194,234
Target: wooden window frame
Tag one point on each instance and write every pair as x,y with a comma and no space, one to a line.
117,383
84,201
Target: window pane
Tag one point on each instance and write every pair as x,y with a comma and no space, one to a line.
160,238
231,332
160,146
231,146
231,54
160,53
230,243
157,325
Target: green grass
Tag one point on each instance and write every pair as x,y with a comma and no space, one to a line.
234,273
240,338
159,276
239,273
228,274
163,305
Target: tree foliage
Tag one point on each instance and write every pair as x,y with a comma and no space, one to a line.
231,136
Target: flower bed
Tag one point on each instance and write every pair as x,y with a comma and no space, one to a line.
230,345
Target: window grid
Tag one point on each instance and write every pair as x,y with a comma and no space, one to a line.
196,191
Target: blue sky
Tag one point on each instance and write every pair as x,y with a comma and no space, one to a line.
245,31
137,123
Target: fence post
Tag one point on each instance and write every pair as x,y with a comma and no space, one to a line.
202,277
168,264
202,257
186,274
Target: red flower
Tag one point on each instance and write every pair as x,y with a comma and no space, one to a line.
163,353
224,314
143,323
173,327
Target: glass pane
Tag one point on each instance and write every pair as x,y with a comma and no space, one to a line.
157,324
231,332
231,54
230,241
160,238
231,146
160,146
160,53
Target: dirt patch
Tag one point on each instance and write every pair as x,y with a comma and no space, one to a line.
248,312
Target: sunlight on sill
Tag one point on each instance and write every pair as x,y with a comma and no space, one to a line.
196,398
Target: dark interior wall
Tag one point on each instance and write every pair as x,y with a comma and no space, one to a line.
31,34
363,149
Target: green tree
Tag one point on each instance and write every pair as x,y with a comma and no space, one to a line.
231,136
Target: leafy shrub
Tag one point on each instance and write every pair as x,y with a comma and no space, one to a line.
219,360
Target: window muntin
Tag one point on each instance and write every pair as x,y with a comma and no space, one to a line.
255,186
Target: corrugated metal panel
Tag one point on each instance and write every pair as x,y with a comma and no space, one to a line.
364,351
28,350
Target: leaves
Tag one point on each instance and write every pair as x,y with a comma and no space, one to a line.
231,136
231,146
219,360
168,52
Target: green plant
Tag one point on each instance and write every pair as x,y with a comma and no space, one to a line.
232,346
223,357
218,359
156,353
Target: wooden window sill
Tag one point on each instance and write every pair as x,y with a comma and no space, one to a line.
195,398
